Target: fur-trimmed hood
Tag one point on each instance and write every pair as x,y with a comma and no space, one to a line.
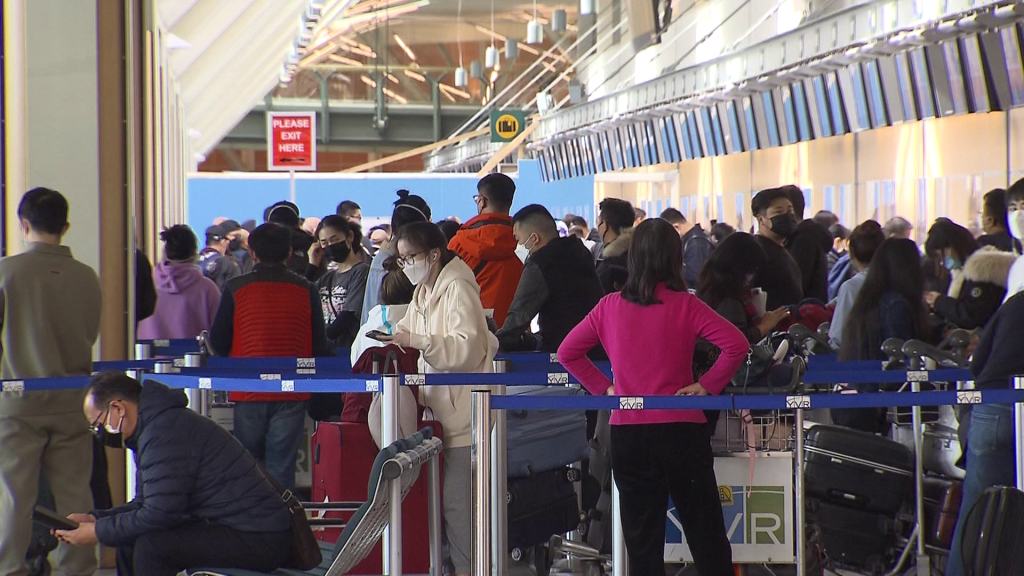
987,265
619,246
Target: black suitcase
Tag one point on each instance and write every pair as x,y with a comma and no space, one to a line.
993,530
857,469
852,537
540,506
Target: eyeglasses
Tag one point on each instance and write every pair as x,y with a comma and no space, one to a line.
406,261
96,424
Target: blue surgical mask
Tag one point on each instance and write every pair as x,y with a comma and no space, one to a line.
951,263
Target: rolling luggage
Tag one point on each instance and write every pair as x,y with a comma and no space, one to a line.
542,440
851,537
992,533
540,506
941,508
857,469
343,454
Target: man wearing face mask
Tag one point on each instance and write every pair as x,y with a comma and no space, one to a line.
50,313
809,245
215,260
615,224
201,500
995,223
1015,221
776,221
559,284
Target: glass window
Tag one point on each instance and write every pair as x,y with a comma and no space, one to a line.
1011,49
771,119
879,115
803,122
955,74
821,98
922,84
836,105
748,117
721,208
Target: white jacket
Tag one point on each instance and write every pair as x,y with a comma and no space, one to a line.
381,317
1015,282
448,326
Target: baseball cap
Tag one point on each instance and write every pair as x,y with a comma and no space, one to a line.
229,226
216,232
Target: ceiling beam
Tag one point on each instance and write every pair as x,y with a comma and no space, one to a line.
201,26
417,151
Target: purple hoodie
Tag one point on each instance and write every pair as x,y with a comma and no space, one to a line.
186,303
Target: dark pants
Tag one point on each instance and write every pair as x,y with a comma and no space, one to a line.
272,433
169,552
652,462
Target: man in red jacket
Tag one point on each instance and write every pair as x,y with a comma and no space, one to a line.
270,313
486,244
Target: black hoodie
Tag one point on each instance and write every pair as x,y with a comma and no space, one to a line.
809,246
189,469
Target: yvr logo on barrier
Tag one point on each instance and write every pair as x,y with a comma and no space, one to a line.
755,518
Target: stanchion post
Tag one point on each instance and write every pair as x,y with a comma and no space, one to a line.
499,481
923,560
801,497
620,558
390,432
434,517
143,351
481,458
1018,417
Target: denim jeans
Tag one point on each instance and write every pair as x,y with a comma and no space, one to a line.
272,432
991,461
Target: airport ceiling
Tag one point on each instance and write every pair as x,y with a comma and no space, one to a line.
229,55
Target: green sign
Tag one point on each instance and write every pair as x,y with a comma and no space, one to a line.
507,124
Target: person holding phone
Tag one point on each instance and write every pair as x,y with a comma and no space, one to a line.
446,323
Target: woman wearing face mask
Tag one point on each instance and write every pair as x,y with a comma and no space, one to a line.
446,323
187,301
979,276
342,286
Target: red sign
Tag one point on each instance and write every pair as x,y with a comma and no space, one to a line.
292,140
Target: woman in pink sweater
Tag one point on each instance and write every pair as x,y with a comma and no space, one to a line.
649,331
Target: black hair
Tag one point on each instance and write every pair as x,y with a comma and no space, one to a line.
945,233
720,231
499,189
655,257
425,236
577,221
825,218
271,243
895,267
395,289
45,210
1015,192
347,208
111,385
838,231
341,224
449,228
763,199
180,243
409,208
865,240
284,213
725,273
796,196
639,214
673,216
994,206
537,217
617,214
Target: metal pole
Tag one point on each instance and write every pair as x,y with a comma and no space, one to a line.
291,186
481,458
799,512
1018,417
434,517
143,351
499,479
389,434
620,559
923,560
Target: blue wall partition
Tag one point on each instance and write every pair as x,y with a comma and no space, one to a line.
245,196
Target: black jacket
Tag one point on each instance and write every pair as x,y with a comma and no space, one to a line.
613,265
976,293
145,290
997,358
1001,241
559,284
810,246
780,277
218,267
189,470
697,247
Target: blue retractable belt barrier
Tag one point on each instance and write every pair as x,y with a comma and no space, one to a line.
332,362
815,363
39,384
124,365
838,376
266,386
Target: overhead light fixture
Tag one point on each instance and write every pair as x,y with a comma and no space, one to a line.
491,57
415,75
461,77
559,20
586,7
368,81
344,60
511,49
476,70
448,96
455,91
506,40
396,97
392,78
494,76
405,47
534,32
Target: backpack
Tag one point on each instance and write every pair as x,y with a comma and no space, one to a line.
686,244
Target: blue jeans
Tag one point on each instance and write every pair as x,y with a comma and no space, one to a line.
991,461
272,432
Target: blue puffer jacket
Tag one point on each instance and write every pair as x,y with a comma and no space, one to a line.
841,271
189,470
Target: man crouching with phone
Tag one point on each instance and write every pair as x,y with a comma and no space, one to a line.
201,499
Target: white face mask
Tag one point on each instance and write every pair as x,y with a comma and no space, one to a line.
417,272
1017,224
522,251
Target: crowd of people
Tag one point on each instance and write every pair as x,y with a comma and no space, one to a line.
446,297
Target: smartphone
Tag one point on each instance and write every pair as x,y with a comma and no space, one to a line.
377,335
51,520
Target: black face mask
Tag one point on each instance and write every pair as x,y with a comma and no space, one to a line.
337,252
108,438
784,224
235,245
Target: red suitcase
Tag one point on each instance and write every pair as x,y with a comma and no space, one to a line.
343,454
